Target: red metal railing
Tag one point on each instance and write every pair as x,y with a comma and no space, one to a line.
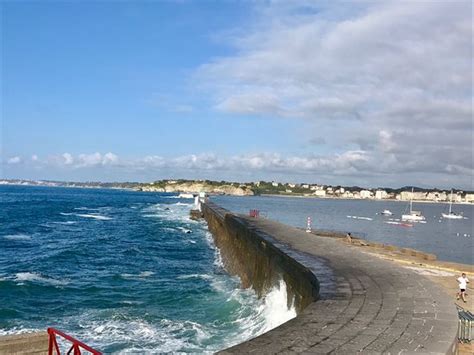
254,213
76,344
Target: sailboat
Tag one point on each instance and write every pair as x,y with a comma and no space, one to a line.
451,214
413,216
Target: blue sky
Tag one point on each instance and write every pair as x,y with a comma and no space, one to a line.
300,91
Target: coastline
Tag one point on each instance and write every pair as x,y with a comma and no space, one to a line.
188,186
362,199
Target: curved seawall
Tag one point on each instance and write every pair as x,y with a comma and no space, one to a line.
255,257
347,301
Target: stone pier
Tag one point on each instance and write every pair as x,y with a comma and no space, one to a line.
363,304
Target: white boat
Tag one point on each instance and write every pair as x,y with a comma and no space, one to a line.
386,213
413,216
451,214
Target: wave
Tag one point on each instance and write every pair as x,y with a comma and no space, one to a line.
35,277
141,336
184,230
276,309
95,216
17,237
141,275
87,215
362,218
177,212
18,330
182,204
195,276
87,209
65,223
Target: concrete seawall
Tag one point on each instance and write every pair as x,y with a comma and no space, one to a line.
347,301
254,257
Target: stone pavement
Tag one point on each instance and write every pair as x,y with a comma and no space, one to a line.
367,304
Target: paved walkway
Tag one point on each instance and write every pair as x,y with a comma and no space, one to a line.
367,304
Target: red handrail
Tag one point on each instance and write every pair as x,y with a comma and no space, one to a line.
76,344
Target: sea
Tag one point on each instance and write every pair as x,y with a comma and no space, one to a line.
128,271
449,239
122,271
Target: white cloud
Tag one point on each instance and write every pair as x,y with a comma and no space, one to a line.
34,157
14,160
392,79
109,158
68,159
349,167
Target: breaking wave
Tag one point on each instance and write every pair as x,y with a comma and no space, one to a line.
17,237
141,275
36,277
95,216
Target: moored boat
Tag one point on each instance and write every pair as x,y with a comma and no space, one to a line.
451,214
386,213
413,216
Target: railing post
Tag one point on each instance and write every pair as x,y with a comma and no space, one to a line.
76,344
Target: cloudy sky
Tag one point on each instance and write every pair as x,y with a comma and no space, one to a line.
353,93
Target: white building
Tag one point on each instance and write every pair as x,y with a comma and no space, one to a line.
320,193
348,194
381,194
275,184
469,197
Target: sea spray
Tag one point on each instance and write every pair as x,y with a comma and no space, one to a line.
276,311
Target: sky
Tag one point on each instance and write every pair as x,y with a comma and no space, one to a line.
367,93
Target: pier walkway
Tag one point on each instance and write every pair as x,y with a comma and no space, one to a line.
366,305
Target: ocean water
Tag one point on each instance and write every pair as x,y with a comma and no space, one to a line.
450,240
122,271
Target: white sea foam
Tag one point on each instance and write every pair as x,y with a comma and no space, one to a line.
87,209
183,204
65,223
141,275
276,309
255,317
36,277
362,218
185,230
141,336
195,276
95,216
17,237
177,212
87,215
18,330
218,261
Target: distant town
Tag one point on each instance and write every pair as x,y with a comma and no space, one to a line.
269,188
